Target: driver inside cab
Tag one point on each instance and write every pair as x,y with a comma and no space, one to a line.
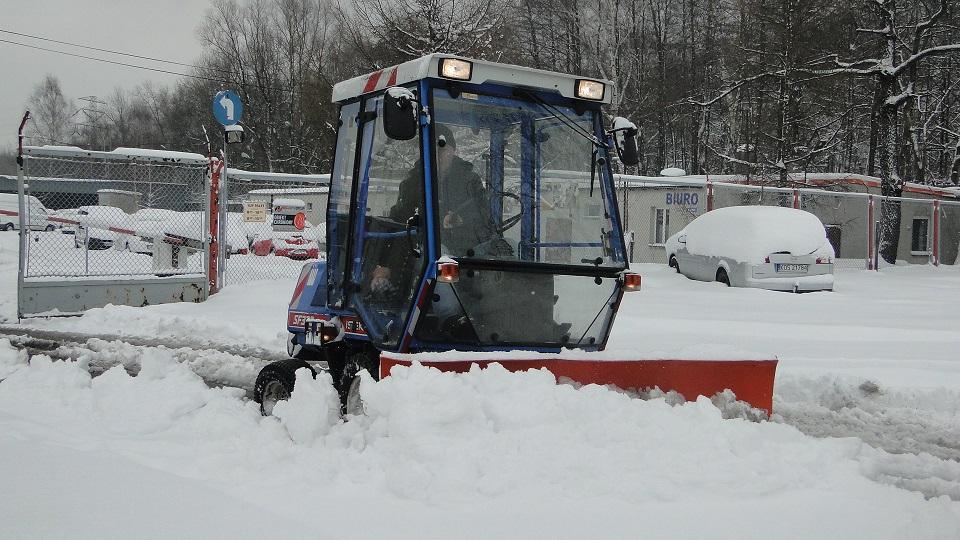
464,206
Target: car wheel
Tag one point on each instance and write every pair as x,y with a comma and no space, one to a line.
674,264
722,277
275,383
6,227
50,228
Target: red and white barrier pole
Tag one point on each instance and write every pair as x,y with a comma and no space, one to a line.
796,198
216,167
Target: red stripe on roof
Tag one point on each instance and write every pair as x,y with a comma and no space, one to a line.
372,81
393,77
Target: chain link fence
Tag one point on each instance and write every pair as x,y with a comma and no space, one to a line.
265,238
113,214
949,245
928,231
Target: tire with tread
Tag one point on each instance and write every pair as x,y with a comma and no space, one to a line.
674,264
276,382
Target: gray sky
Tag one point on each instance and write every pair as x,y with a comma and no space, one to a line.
163,29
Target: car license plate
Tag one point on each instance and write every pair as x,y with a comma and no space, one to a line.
782,267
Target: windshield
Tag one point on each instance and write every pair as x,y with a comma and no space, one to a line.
514,183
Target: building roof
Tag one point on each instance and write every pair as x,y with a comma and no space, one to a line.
483,72
814,180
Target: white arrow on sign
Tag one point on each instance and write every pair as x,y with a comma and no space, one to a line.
227,105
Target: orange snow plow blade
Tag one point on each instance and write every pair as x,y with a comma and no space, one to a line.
750,380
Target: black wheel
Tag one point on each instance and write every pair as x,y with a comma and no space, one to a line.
674,264
6,226
722,277
275,383
50,228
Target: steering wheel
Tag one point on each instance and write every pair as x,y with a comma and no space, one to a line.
511,221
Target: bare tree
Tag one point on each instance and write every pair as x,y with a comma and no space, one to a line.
385,32
51,112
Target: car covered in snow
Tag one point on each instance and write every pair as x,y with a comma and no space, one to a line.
767,247
10,210
294,245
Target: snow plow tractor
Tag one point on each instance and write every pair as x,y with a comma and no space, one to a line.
472,215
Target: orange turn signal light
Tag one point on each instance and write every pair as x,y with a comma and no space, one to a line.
448,272
631,281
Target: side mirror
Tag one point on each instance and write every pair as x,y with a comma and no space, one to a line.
399,114
625,134
682,239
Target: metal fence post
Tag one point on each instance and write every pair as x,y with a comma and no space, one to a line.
871,235
709,195
935,253
796,198
223,205
21,202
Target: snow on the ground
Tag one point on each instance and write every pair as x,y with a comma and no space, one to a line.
480,455
870,370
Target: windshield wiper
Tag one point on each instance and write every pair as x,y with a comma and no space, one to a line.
572,124
562,116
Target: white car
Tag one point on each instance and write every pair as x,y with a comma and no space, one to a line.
768,247
10,218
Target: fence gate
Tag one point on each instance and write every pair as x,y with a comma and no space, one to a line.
127,227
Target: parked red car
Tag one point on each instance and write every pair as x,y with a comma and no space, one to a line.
294,246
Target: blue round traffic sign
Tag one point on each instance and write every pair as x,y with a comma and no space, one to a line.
227,108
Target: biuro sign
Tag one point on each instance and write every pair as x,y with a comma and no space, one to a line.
682,199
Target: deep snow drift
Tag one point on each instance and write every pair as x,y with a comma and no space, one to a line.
479,455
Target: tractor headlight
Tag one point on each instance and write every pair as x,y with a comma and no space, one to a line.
454,68
592,90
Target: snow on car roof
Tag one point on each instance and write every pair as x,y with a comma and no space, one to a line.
289,202
750,233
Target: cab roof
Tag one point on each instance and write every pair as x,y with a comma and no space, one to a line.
483,72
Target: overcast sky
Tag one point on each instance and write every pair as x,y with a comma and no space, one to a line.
163,29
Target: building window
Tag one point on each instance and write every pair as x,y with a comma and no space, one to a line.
919,243
661,225
594,210
309,206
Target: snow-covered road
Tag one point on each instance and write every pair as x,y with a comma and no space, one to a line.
871,370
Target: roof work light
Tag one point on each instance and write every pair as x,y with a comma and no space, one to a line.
454,68
592,90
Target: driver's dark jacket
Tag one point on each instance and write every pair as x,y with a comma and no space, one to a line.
461,191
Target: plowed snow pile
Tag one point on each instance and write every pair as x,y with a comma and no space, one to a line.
487,454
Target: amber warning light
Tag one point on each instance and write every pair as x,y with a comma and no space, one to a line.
631,281
448,272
